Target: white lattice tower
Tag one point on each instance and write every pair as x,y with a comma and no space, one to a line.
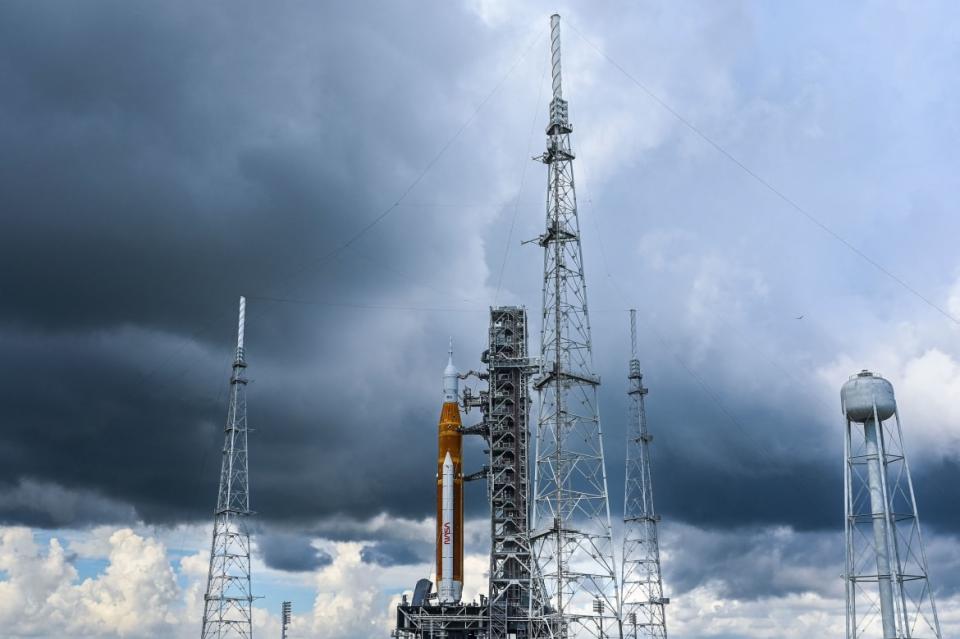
643,601
572,537
229,599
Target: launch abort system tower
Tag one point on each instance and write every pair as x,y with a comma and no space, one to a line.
572,541
643,600
228,599
887,587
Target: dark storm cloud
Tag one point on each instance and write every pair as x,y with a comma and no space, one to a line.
48,505
391,553
158,161
752,563
292,553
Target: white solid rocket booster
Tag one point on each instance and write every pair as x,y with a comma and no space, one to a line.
447,589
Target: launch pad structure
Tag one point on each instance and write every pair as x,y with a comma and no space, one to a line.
552,569
561,579
514,592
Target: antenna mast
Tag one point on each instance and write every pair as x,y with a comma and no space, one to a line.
572,539
643,600
228,599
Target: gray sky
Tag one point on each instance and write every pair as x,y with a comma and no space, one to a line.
159,160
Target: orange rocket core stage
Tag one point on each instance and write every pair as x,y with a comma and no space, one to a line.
450,440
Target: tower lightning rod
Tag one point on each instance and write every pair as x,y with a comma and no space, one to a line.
555,55
242,322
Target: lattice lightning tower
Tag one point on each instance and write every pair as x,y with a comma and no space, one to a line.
228,600
643,600
571,519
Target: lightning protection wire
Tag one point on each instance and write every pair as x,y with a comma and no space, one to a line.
523,175
344,245
336,251
763,182
713,397
376,307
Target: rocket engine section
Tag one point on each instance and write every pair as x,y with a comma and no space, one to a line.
450,490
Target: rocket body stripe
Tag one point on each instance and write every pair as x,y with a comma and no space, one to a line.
450,492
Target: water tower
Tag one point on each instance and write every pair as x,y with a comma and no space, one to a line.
888,591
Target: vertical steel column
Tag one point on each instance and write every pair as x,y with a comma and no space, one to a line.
643,600
228,599
572,541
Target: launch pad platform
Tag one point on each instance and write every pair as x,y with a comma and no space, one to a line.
442,621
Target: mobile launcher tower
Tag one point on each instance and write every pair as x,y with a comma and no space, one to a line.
887,589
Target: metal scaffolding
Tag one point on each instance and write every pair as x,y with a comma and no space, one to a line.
643,600
441,621
228,600
515,594
572,539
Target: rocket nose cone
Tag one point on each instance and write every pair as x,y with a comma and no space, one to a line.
448,461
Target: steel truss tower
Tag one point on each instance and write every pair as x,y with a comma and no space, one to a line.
228,600
643,600
572,541
516,595
887,586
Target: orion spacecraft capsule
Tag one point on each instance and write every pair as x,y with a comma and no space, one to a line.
450,490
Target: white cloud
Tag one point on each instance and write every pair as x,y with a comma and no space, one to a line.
926,384
137,594
133,597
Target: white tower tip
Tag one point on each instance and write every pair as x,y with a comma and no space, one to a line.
555,54
242,324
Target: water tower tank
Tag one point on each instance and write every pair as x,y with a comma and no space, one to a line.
864,390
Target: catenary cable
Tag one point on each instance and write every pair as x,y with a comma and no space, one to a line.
335,252
763,182
523,175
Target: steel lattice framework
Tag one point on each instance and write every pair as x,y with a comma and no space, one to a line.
228,599
516,594
643,600
572,541
887,587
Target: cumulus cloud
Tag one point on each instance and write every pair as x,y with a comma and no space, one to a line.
139,593
133,597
